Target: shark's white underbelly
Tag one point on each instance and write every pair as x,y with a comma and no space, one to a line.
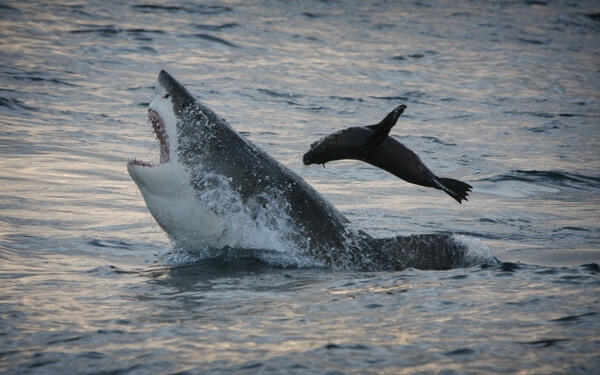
171,200
204,220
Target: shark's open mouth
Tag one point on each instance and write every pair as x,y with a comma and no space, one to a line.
158,125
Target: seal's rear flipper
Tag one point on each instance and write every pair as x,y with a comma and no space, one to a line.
456,189
381,130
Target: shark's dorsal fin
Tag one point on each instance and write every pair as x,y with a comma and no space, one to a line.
382,130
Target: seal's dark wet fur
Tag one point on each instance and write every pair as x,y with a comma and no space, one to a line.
372,144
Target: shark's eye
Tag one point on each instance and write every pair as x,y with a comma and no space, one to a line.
166,96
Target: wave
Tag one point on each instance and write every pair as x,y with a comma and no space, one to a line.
9,8
216,27
109,30
594,16
277,94
213,39
151,7
531,41
14,104
229,257
409,97
531,183
35,78
198,8
552,178
437,140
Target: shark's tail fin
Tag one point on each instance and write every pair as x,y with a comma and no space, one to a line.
456,189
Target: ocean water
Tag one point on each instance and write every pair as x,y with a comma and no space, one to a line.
501,94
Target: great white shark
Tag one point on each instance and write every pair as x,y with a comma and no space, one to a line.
214,189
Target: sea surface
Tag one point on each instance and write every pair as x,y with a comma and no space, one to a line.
504,95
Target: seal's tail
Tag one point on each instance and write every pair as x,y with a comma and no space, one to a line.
456,189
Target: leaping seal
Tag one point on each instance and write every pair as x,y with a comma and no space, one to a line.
372,144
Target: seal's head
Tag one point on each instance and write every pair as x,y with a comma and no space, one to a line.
352,143
344,144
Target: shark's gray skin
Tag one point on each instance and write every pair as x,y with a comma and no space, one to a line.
373,145
214,189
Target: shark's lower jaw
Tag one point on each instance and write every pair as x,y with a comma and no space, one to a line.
158,125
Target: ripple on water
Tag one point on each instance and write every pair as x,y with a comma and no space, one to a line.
594,16
108,271
277,94
112,30
15,104
593,268
552,178
460,352
544,343
219,27
49,80
572,318
206,9
212,39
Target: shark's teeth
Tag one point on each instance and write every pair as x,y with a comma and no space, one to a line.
158,125
140,163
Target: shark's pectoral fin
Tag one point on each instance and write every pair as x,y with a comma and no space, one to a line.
382,130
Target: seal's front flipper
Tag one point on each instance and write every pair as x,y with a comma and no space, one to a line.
381,130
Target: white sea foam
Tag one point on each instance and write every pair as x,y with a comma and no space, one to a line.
477,251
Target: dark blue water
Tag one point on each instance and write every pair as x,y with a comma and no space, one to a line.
501,94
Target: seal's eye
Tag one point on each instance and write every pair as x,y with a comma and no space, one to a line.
166,95
313,144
